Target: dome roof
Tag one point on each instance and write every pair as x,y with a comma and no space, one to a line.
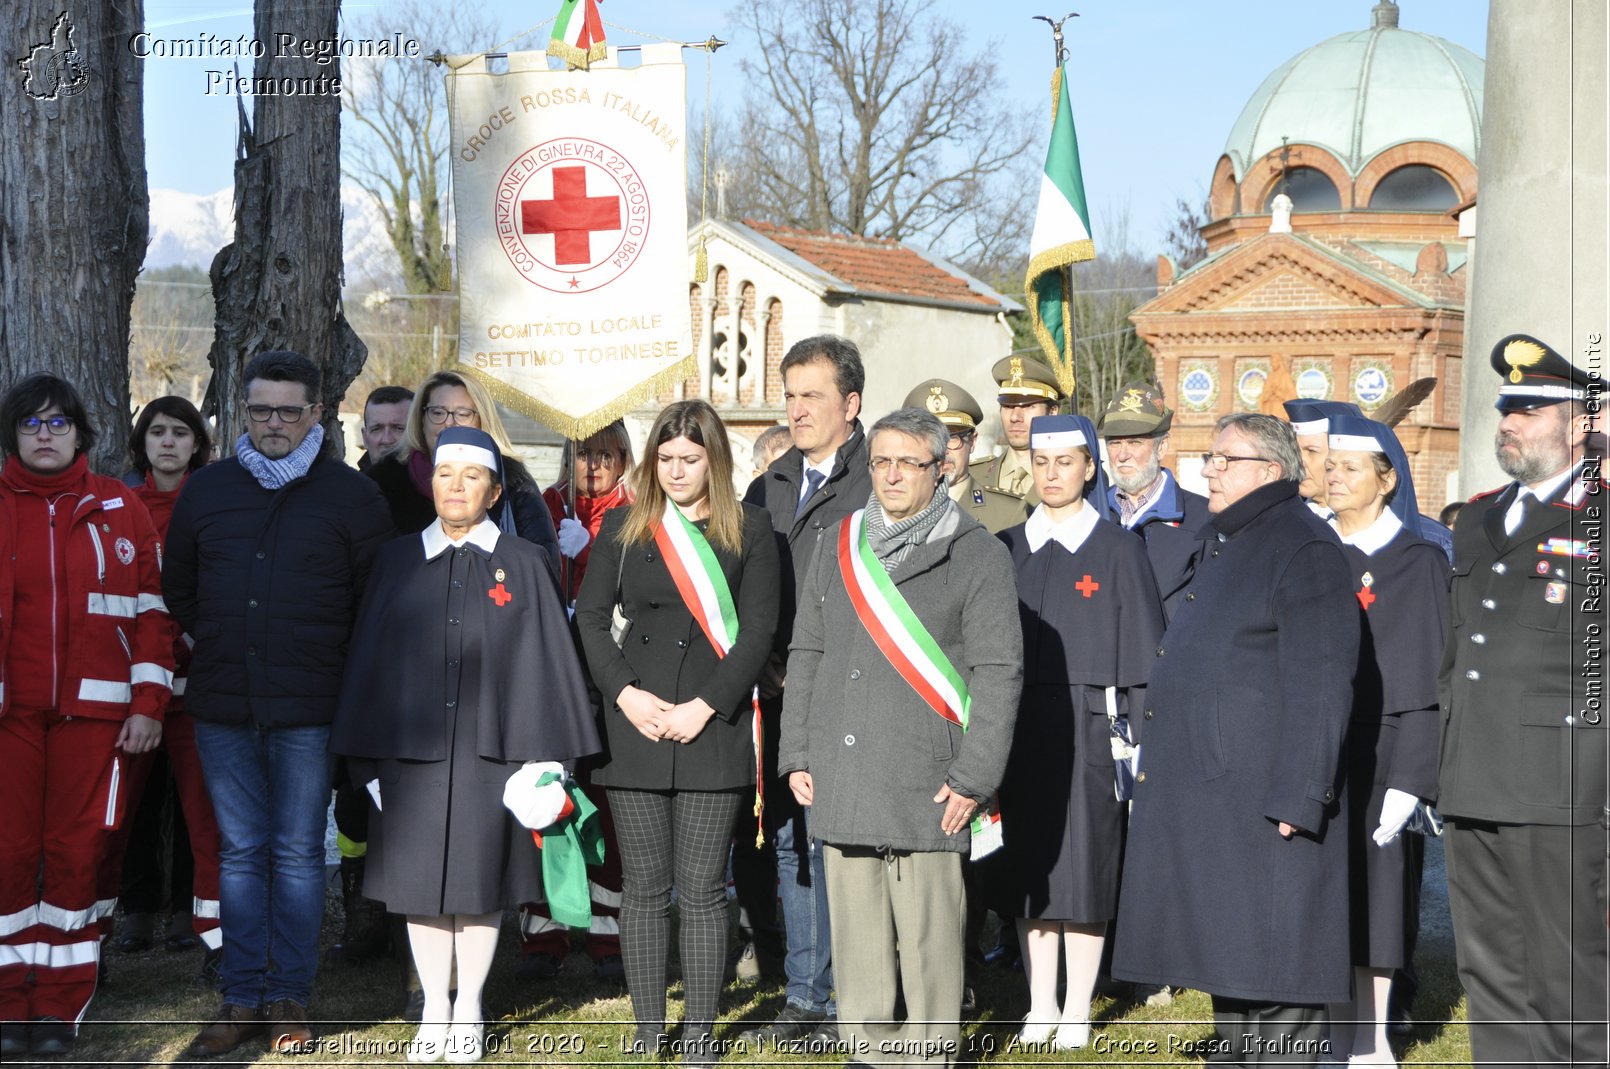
1361,92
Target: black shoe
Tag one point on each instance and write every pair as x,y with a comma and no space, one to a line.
1003,956
969,999
537,967
610,969
1400,1027
136,933
825,1040
790,1027
647,1041
699,1044
50,1037
212,969
181,934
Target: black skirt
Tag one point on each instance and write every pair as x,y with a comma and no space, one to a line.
1380,891
444,842
1061,822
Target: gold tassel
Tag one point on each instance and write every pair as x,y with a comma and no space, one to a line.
701,262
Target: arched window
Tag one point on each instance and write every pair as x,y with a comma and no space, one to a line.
1310,190
1415,188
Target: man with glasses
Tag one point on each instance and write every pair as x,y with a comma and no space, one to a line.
1028,389
1144,494
1235,877
904,675
266,559
994,508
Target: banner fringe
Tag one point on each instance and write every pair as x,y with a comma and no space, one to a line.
577,57
580,428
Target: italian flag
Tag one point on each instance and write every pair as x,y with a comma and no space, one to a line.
578,33
1061,237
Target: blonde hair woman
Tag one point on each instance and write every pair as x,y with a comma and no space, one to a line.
696,573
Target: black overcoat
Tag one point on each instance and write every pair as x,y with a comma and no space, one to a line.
668,655
1245,715
419,647
1091,620
1173,528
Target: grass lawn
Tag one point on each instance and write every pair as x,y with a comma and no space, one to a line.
151,1008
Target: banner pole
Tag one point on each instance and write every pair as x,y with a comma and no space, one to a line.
439,57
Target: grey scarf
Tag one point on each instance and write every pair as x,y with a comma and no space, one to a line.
892,542
273,474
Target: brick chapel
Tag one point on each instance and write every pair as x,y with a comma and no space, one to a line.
1335,250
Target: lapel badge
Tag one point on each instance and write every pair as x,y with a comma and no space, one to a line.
1542,567
499,575
1368,580
978,497
1555,594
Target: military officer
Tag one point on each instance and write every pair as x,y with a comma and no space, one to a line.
996,509
1027,389
1523,753
1145,496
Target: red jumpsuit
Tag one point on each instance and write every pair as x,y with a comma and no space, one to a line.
179,740
85,642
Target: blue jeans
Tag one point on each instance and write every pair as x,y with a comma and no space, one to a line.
803,889
270,790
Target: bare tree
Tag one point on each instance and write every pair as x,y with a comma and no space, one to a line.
874,119
278,284
398,132
1107,351
74,214
1183,241
169,335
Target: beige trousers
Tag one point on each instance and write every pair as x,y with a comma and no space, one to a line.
897,921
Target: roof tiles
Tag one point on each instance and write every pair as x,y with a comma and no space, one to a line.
874,265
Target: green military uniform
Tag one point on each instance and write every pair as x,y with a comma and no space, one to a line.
958,411
1022,380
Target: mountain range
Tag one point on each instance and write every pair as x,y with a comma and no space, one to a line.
188,229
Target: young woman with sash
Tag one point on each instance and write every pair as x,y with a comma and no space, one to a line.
695,572
1091,619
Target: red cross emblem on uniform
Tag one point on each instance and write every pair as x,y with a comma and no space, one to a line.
1366,598
1087,586
571,216
500,595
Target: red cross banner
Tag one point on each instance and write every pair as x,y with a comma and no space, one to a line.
571,224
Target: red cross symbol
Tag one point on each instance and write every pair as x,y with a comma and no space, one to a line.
571,216
1087,586
499,595
1366,598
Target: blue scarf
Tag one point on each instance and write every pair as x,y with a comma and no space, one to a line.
273,474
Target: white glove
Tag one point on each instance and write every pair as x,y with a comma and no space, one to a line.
536,807
373,787
1396,809
573,537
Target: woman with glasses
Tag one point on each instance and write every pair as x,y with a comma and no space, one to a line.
86,665
695,572
448,399
1091,617
599,468
1402,582
170,440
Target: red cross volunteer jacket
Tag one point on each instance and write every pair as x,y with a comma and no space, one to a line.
115,649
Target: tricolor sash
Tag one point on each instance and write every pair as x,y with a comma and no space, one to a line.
707,595
913,652
889,619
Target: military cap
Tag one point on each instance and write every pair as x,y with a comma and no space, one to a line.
1313,417
1024,381
1137,412
953,405
1535,375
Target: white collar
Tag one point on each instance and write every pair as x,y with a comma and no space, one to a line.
483,534
1071,533
825,467
1373,538
1552,487
1324,512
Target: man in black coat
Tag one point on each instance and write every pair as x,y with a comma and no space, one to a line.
266,559
1235,877
1145,495
807,491
1523,752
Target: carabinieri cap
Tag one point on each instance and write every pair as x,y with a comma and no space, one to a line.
1535,375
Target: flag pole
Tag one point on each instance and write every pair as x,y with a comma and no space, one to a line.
1059,57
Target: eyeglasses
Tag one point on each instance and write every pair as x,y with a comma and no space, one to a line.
59,425
959,439
1220,461
905,465
287,413
439,414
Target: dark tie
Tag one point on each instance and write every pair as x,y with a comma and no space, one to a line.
813,483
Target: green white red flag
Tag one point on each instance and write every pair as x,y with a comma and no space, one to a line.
1061,237
578,33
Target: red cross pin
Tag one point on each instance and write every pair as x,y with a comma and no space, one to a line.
500,595
1366,598
1087,586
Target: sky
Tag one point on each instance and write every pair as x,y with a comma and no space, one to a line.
1157,84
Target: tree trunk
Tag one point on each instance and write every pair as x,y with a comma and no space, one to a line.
73,204
278,285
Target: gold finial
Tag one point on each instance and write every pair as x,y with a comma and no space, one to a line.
937,401
1522,353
